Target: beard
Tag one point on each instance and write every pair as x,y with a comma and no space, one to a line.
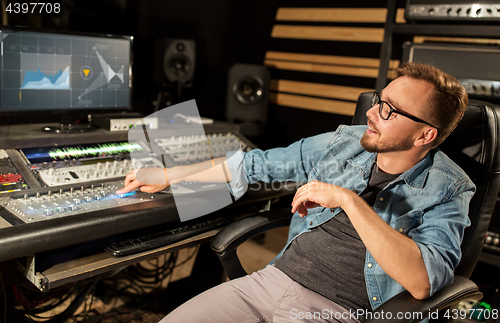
381,146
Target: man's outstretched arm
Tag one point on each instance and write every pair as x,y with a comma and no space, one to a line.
148,179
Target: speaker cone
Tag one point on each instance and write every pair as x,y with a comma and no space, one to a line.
177,68
249,89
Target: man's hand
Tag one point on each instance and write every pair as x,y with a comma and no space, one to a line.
316,193
149,180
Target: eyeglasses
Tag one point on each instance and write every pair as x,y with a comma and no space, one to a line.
385,110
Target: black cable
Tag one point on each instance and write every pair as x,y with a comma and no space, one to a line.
91,294
33,311
18,316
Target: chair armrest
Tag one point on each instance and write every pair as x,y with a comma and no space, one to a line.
232,236
461,289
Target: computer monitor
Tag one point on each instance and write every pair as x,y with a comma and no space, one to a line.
63,74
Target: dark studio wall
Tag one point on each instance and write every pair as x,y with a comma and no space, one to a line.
225,32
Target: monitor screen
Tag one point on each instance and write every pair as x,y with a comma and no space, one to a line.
59,71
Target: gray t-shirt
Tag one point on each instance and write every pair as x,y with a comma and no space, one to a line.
330,259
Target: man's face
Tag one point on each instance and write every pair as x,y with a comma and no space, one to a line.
399,132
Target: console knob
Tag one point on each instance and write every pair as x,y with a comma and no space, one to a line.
96,174
86,176
56,179
51,172
99,166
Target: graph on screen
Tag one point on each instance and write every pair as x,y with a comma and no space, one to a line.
56,71
105,77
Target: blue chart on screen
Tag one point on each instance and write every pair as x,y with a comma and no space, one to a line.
55,73
39,80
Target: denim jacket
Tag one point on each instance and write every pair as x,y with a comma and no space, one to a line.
428,203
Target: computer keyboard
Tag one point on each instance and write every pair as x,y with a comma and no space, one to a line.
147,239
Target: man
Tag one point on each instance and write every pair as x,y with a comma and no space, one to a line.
382,211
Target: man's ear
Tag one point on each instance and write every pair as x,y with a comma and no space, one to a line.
427,137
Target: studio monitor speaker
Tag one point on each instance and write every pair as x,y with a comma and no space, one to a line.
247,97
177,60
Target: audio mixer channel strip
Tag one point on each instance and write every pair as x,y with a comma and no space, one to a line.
72,180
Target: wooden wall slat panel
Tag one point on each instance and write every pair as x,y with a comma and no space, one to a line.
400,16
303,102
362,15
329,59
356,34
368,15
322,68
314,94
317,89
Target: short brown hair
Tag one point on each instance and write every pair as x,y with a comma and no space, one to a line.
448,102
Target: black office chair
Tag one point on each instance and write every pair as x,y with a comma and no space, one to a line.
474,145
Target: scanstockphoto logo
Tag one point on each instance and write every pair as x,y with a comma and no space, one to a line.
180,140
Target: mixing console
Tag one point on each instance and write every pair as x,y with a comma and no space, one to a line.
83,178
85,173
181,150
53,204
80,164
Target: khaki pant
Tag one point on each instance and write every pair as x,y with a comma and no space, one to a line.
265,296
